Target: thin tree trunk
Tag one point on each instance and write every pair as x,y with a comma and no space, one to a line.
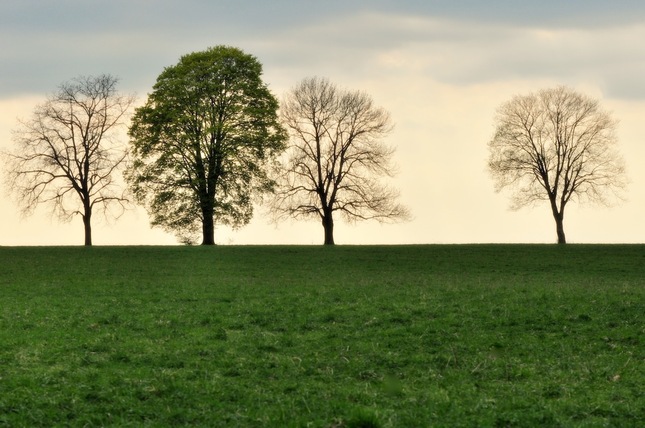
558,216
87,224
328,225
559,223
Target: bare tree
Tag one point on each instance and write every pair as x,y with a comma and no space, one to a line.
335,157
556,145
66,155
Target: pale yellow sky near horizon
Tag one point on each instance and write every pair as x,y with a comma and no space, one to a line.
442,83
441,157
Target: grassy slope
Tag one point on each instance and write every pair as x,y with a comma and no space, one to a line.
505,335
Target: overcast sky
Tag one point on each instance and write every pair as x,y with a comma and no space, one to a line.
441,68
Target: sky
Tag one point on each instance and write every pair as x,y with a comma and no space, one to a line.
441,68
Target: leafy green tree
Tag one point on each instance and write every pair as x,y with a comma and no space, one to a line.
204,142
66,155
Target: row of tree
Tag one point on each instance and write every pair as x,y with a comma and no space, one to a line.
208,144
212,140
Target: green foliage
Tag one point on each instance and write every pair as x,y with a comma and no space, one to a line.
204,141
499,335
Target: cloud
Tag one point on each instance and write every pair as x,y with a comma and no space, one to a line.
46,42
459,52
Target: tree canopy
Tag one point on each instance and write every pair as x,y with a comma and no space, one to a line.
66,155
336,157
204,142
556,145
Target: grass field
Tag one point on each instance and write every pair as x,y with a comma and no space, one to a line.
405,336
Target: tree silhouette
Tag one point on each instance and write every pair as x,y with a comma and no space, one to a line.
556,145
66,154
335,158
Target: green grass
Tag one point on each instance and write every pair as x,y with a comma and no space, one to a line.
455,335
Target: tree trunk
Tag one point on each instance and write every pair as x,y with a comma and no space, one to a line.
558,216
87,223
559,223
208,228
328,225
